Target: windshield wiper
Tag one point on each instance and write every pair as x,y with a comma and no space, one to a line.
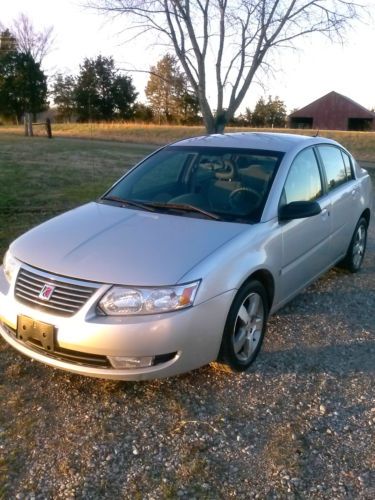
130,203
185,207
151,206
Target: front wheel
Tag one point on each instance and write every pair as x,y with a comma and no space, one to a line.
356,251
245,326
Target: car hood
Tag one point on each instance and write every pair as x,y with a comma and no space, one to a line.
111,244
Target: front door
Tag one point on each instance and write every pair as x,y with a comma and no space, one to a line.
305,242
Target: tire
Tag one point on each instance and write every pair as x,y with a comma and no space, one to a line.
356,251
245,326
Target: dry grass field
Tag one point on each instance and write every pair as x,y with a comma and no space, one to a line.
361,144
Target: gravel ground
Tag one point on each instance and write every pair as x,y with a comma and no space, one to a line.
299,424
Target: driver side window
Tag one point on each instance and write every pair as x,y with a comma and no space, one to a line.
303,182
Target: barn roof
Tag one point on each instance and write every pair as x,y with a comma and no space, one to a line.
334,100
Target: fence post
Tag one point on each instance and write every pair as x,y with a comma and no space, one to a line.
31,132
28,125
48,128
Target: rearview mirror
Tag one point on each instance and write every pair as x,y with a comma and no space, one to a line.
299,210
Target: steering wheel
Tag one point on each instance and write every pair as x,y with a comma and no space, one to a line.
241,198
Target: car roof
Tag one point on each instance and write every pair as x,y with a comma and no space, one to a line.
254,140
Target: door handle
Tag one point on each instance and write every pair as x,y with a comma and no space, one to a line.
324,213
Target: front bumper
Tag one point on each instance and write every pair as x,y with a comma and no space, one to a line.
180,341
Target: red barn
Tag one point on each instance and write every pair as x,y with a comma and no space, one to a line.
333,112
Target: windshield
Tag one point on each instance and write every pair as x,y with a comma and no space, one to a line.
230,184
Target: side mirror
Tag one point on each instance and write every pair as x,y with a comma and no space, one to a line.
299,210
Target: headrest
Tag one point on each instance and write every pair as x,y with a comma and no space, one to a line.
226,172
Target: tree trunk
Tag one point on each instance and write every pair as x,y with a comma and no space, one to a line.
216,125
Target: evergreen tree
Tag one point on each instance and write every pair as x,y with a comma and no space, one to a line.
23,85
259,115
102,94
268,114
63,91
124,95
188,107
276,112
143,113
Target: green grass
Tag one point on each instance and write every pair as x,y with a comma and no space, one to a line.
40,178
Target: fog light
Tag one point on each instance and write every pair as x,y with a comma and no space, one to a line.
127,362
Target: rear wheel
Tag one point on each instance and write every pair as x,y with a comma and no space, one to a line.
357,247
245,326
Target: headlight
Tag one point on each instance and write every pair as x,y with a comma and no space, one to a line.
124,301
11,266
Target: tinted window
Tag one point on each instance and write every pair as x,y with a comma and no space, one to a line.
304,181
334,166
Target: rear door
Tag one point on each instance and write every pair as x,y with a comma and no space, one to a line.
343,192
305,242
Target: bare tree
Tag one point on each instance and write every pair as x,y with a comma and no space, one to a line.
230,39
30,41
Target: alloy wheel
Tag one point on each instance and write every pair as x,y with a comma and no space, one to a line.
248,327
359,246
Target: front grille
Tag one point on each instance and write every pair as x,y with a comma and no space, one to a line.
75,357
67,298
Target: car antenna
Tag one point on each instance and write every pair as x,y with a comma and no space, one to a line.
317,133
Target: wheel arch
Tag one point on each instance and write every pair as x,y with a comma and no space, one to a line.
267,280
366,215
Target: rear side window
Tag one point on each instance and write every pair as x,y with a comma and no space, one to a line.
304,182
348,165
336,170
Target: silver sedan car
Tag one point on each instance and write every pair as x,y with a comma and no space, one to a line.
183,259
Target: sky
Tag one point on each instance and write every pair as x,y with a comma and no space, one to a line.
298,78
